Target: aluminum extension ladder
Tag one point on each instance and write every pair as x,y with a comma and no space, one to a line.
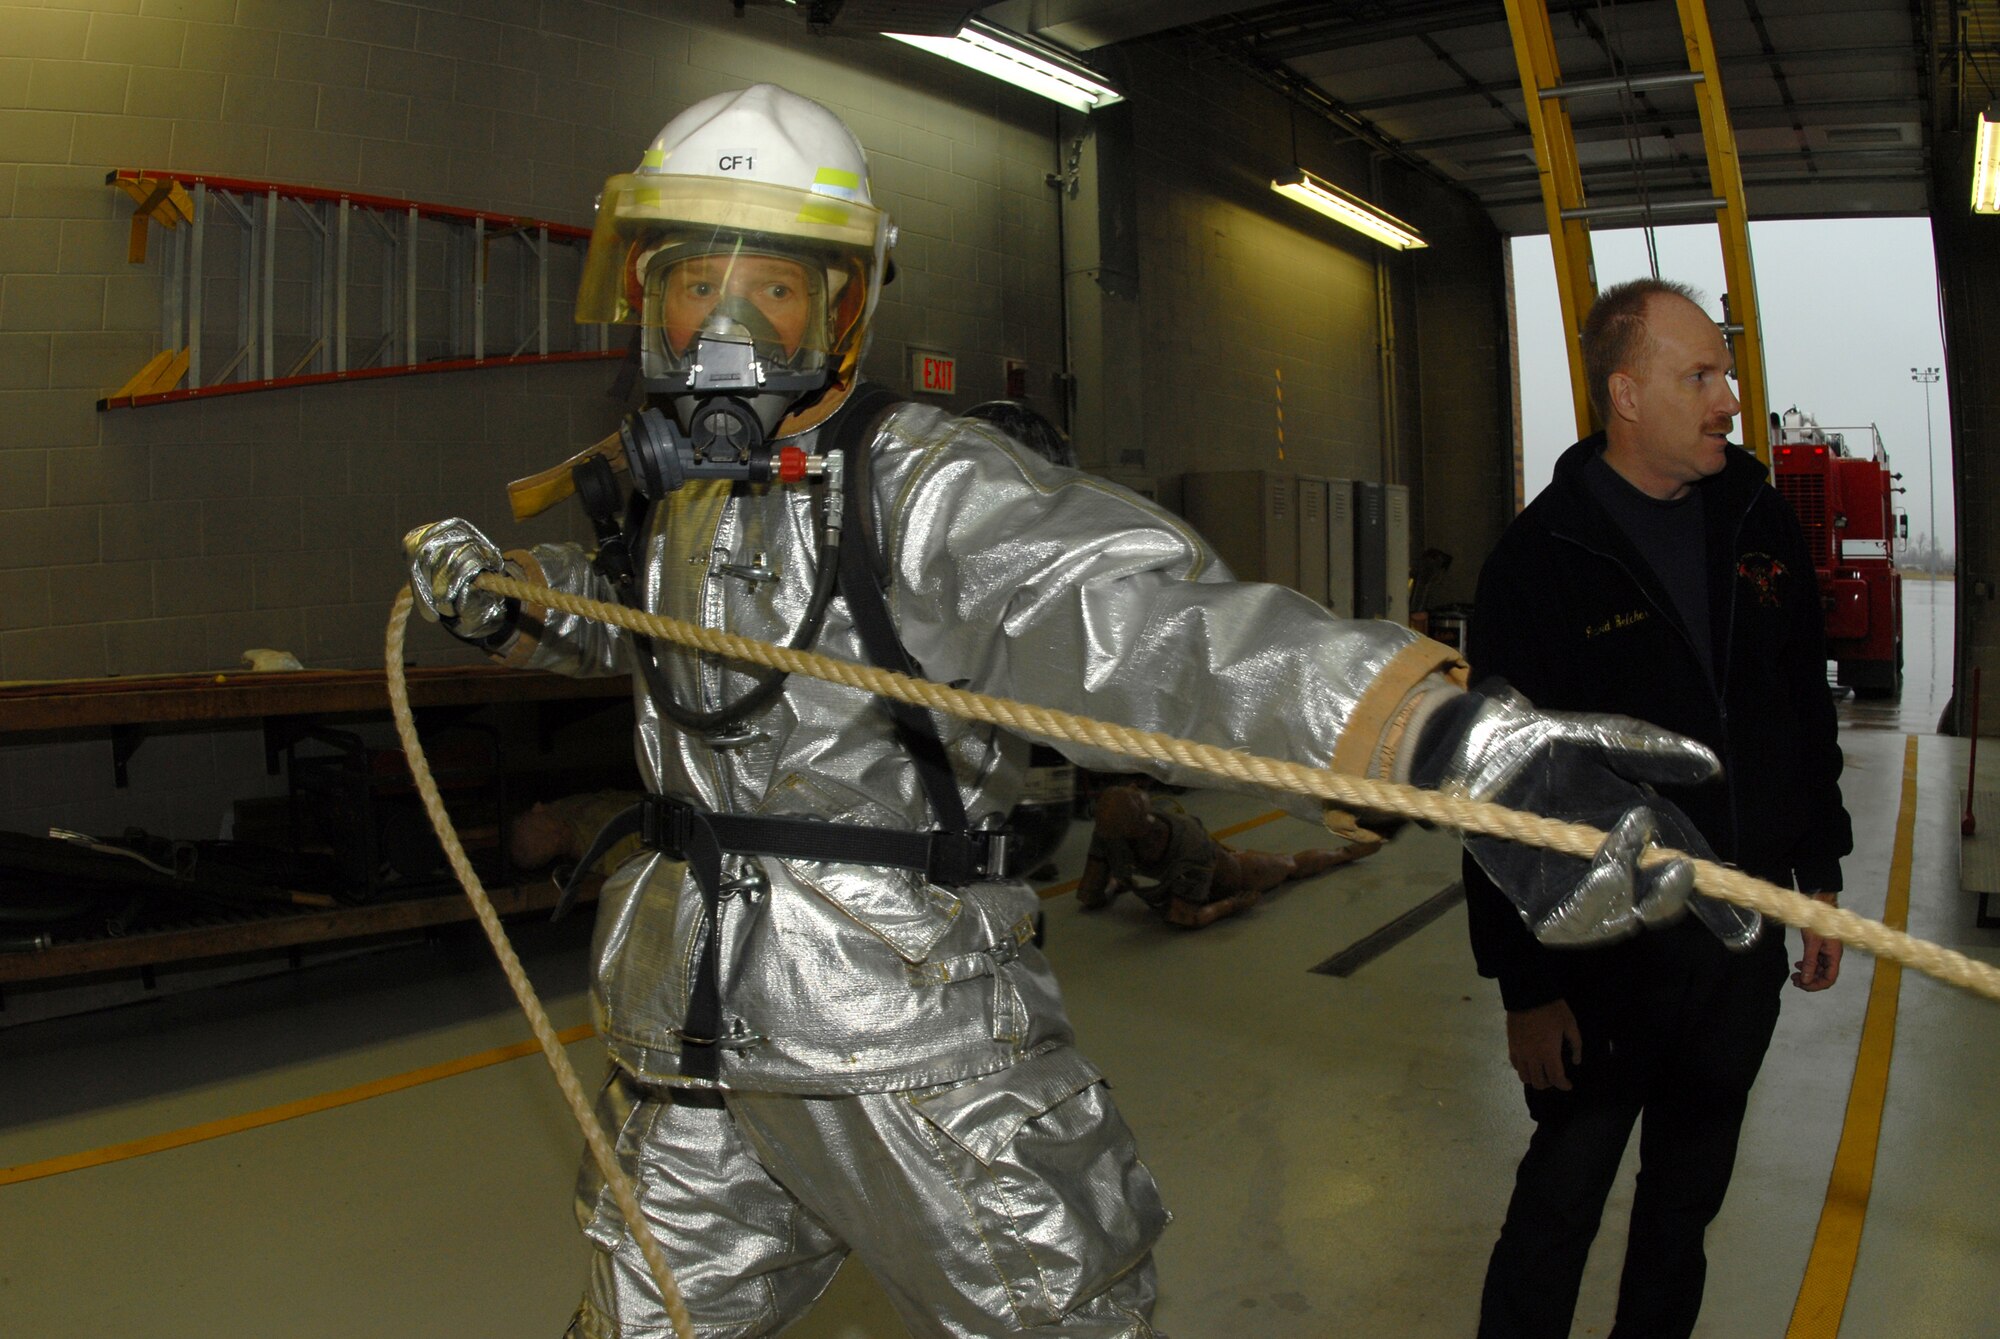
318,269
1570,214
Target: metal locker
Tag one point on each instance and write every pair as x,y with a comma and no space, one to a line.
1250,518
1396,547
1371,553
1340,547
1313,536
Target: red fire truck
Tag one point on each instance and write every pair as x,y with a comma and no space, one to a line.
1838,481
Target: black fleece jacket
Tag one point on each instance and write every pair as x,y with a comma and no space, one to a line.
1569,613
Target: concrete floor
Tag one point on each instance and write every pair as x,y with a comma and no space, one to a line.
1337,1151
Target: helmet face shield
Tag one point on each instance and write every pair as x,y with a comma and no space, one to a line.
793,272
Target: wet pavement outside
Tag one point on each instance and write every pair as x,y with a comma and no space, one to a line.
1929,626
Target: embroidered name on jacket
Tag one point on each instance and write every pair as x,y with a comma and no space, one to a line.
1763,573
1617,623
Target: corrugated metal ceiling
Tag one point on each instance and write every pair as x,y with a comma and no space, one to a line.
1831,100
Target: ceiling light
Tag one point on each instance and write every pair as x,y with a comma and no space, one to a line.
1020,61
1986,163
1346,207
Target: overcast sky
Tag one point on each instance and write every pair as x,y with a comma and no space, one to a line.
1848,307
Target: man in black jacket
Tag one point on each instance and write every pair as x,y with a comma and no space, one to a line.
1658,576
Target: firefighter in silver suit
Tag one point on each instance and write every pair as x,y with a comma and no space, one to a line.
829,1027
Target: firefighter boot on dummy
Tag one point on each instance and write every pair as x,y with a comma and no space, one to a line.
1139,836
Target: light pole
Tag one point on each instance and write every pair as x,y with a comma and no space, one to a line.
1928,376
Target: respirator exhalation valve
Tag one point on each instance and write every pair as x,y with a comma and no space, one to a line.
727,443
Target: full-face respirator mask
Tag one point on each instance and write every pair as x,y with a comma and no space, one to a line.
732,342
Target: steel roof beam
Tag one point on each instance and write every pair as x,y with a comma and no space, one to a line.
1794,58
1668,124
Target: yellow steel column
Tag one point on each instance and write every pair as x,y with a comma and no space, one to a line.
1725,176
1562,185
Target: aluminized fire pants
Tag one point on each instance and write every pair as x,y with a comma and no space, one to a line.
1011,1204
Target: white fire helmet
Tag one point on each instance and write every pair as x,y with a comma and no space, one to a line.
747,226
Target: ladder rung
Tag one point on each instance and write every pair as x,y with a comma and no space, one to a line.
1590,88
1707,205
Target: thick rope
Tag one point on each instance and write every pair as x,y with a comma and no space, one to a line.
524,991
1574,839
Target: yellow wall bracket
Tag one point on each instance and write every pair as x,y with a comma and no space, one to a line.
162,201
162,372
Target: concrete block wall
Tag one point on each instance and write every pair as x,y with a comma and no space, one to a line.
1240,288
172,538
1463,462
1239,285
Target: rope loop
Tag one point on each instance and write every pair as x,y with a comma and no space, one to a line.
1275,774
517,977
1429,806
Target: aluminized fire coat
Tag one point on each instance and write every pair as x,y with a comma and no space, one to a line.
889,1042
1006,575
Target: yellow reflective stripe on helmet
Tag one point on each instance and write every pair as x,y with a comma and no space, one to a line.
833,216
653,158
836,181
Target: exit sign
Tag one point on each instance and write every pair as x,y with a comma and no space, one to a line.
933,373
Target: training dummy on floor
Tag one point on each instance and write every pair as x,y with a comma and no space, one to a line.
1191,879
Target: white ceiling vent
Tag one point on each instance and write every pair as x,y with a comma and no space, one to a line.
1865,137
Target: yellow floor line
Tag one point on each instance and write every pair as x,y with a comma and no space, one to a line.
1220,834
1830,1268
195,1134
1224,834
215,1129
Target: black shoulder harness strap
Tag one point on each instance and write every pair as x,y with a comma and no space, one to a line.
862,566
949,854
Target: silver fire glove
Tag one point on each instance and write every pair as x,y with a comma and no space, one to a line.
446,557
1594,769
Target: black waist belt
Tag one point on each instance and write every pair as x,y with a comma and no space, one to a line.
949,859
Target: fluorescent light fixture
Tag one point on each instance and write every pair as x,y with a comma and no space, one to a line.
1346,207
1020,61
1986,163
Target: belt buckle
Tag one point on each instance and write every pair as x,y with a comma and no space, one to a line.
958,858
665,824
994,865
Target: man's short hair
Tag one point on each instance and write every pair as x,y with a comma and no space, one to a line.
1614,334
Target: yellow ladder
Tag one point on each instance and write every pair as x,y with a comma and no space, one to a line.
1569,213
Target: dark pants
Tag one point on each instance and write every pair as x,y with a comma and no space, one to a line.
1676,1048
